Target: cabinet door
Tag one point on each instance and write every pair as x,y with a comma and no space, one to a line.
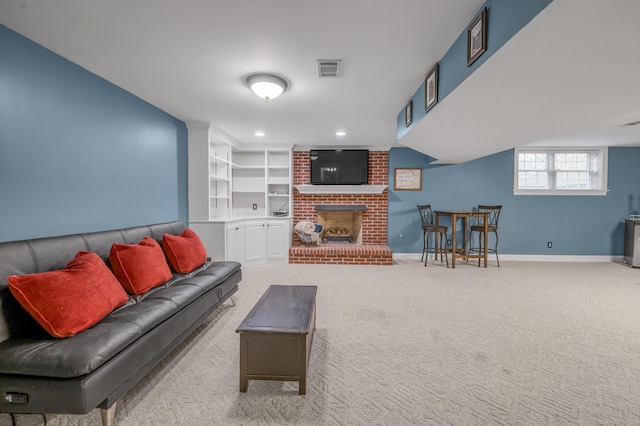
255,241
277,241
235,242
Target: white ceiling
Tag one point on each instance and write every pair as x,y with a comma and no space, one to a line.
569,77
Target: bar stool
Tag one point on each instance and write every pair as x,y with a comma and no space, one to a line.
429,227
492,226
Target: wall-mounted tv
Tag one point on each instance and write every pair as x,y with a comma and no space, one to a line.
339,166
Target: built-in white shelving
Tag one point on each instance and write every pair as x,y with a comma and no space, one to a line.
233,194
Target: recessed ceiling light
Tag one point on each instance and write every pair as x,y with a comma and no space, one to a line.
259,133
340,133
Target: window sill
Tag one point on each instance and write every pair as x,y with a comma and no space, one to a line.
561,192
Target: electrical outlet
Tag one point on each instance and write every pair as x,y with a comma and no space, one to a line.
448,242
549,244
255,207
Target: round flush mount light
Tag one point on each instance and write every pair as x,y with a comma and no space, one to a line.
266,85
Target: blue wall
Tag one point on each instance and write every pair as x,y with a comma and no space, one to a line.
577,225
504,19
79,154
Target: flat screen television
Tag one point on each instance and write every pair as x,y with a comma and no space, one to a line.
339,166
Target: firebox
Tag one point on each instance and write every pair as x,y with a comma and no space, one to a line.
340,223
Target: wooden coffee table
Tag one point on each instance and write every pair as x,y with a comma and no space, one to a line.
275,337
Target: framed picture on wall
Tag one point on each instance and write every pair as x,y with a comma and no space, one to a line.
408,113
477,37
431,88
407,179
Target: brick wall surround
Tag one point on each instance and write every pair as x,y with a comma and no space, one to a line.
374,249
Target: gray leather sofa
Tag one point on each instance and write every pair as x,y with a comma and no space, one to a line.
96,367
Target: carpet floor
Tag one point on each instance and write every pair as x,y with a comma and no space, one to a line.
529,343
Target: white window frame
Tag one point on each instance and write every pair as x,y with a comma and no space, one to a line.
602,172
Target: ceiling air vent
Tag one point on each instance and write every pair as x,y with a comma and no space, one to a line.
329,68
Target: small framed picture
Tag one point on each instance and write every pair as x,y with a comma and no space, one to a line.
477,37
407,179
431,89
408,113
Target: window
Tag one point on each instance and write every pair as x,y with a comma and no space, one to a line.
560,171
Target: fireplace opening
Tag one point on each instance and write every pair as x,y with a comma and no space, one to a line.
340,223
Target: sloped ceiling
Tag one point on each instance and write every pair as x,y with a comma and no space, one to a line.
568,78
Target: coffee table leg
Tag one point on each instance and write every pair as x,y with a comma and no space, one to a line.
244,382
302,383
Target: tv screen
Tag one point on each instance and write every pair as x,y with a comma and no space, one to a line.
339,166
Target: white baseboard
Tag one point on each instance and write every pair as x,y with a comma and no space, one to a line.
560,258
529,257
409,256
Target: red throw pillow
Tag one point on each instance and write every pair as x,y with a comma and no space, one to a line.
139,267
185,251
70,300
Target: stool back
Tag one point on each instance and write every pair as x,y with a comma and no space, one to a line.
493,214
426,214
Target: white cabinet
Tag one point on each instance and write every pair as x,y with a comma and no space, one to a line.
267,240
278,239
255,241
246,241
235,242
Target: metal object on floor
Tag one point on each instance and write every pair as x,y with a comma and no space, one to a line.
632,241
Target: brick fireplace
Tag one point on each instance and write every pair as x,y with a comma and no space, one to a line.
370,245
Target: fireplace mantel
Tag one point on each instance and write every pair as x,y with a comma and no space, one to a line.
340,207
340,189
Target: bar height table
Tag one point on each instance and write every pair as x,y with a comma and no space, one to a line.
465,215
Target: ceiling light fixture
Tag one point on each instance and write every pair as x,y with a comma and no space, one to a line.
266,85
259,133
340,133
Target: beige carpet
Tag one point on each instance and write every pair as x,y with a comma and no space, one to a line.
524,344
